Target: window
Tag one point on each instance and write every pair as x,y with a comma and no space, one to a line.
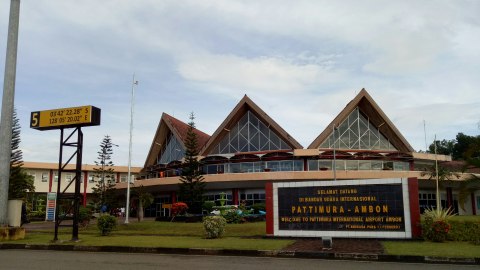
356,132
68,177
55,177
123,178
217,198
313,165
352,165
91,179
45,177
249,134
173,150
364,165
252,197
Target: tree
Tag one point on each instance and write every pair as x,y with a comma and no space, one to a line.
20,181
192,185
104,189
444,174
463,147
467,147
144,198
444,147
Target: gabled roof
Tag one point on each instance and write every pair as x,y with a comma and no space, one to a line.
242,107
179,129
376,116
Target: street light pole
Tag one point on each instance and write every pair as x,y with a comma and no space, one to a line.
6,121
127,207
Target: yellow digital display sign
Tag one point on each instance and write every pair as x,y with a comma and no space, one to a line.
65,118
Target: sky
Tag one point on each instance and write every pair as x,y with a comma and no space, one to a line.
300,61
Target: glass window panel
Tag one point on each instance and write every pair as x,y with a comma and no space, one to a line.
362,128
258,166
352,165
400,166
339,164
235,168
255,142
286,165
325,164
298,165
275,141
247,167
263,142
44,177
342,129
377,165
273,165
242,144
388,165
364,165
244,132
250,134
244,120
354,127
284,145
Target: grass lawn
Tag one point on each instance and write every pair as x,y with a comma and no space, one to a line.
162,241
425,248
245,236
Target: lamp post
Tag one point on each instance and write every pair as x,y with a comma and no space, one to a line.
127,207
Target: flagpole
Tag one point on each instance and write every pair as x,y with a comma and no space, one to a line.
132,105
436,172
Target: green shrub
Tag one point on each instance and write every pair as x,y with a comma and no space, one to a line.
232,216
36,215
435,224
214,226
465,231
106,224
475,234
84,216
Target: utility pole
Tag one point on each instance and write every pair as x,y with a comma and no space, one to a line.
7,108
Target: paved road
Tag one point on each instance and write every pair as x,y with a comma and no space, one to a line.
52,260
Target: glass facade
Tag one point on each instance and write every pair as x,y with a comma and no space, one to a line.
172,150
249,135
251,167
357,165
356,132
252,197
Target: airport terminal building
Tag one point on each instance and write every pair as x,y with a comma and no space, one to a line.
249,149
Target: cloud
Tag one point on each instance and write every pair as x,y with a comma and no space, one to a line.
300,61
269,75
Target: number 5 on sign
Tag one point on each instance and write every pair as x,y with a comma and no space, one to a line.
34,119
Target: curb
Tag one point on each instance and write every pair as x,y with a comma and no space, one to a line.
249,253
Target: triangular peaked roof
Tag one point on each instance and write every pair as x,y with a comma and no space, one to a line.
376,116
179,129
242,107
